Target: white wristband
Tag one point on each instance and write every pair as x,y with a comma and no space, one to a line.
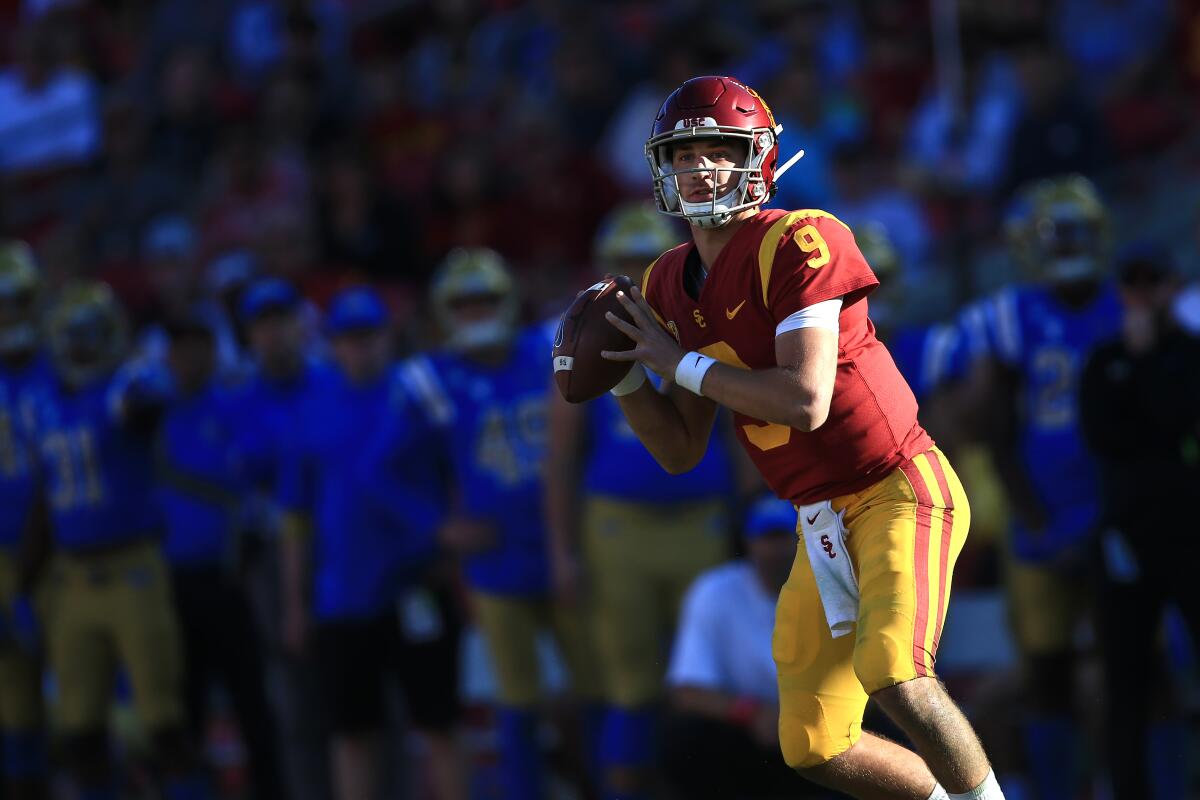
690,371
632,381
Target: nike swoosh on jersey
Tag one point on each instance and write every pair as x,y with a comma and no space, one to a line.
731,314
813,518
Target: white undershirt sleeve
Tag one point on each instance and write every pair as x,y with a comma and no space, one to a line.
819,315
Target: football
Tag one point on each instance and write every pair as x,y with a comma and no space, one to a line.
580,372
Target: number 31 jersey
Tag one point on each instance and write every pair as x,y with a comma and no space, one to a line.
776,264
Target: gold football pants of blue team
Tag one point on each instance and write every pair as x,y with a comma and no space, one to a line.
20,678
511,626
641,558
904,535
109,609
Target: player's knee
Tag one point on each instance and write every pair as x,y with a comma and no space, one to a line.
809,738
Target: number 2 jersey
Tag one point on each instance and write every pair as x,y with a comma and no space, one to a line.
489,424
776,264
1047,344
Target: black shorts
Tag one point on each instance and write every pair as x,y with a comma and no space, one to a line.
416,642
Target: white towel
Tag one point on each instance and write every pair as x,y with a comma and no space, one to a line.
824,539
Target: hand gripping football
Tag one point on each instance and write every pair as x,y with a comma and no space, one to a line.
579,370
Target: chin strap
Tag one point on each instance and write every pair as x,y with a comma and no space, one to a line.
788,165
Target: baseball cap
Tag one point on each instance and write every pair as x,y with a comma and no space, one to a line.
266,295
355,309
769,514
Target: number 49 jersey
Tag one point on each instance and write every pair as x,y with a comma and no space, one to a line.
491,424
776,264
1047,344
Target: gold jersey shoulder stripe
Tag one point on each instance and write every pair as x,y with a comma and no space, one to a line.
770,241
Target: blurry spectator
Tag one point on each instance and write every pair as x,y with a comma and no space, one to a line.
1111,41
866,190
1058,130
1039,335
347,568
627,538
481,401
962,143
224,280
51,114
249,186
126,190
184,129
623,147
816,119
24,377
722,739
1140,404
362,230
895,68
200,490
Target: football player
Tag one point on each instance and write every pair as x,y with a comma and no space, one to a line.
1033,341
24,373
765,312
484,398
644,535
111,601
361,632
201,489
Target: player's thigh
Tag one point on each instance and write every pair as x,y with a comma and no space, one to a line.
573,635
695,538
821,701
1045,608
510,625
904,535
20,681
427,658
80,648
625,620
352,657
147,635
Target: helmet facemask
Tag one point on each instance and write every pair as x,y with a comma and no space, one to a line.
750,190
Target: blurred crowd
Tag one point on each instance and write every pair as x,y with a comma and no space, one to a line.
290,510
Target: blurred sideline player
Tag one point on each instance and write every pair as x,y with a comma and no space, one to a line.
722,739
200,490
271,311
1139,404
344,565
768,307
483,399
1036,339
645,535
24,373
110,603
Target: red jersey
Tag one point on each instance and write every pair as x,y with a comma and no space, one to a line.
777,263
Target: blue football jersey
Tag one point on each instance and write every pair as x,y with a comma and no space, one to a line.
98,472
491,422
21,392
619,466
196,448
361,551
1048,344
925,356
267,422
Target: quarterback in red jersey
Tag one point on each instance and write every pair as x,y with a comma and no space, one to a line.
765,312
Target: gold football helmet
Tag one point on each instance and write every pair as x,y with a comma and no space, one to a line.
87,331
475,276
